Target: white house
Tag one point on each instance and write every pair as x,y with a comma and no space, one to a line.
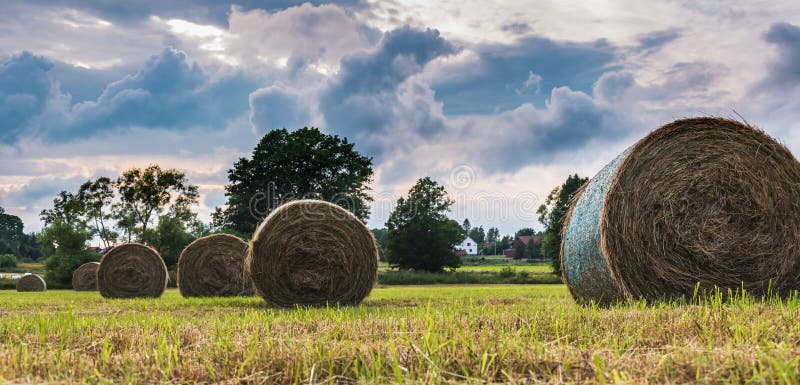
468,247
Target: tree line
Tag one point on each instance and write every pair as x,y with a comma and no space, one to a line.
155,205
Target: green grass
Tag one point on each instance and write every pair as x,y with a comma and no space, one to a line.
533,268
419,334
506,275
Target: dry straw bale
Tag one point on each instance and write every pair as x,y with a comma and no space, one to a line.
85,277
310,252
31,282
705,201
132,270
213,266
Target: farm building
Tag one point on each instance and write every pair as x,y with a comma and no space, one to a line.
536,239
467,247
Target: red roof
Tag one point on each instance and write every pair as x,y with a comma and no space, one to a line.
537,239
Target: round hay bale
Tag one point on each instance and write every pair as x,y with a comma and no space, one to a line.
311,252
213,266
31,282
132,271
85,277
702,201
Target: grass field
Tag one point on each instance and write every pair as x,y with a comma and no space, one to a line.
418,334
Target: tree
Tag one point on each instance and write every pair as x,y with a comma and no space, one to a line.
504,243
534,249
11,235
95,196
169,237
30,249
64,245
477,234
285,166
519,250
380,239
525,232
466,227
551,215
146,193
66,208
419,234
8,260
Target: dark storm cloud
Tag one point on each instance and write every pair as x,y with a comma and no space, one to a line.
84,84
784,72
25,89
365,98
504,69
169,92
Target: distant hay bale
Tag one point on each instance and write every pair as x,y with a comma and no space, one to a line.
310,252
31,282
705,201
213,266
85,277
132,271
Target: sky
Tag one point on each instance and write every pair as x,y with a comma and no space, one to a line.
497,100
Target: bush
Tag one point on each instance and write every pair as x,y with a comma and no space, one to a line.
60,266
394,277
8,260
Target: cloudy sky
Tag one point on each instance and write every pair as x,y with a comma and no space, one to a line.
498,100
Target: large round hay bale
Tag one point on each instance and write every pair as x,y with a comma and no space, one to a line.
213,266
703,201
310,252
31,282
132,270
84,278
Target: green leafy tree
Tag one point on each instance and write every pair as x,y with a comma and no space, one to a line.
64,245
96,197
30,249
519,250
146,193
504,243
169,237
11,235
8,260
525,232
285,166
478,235
551,215
380,239
66,208
419,234
490,247
466,227
534,249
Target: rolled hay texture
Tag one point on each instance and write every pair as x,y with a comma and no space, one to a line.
311,252
213,266
132,270
702,201
85,277
31,282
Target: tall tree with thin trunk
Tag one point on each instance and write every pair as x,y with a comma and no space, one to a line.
146,193
96,196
